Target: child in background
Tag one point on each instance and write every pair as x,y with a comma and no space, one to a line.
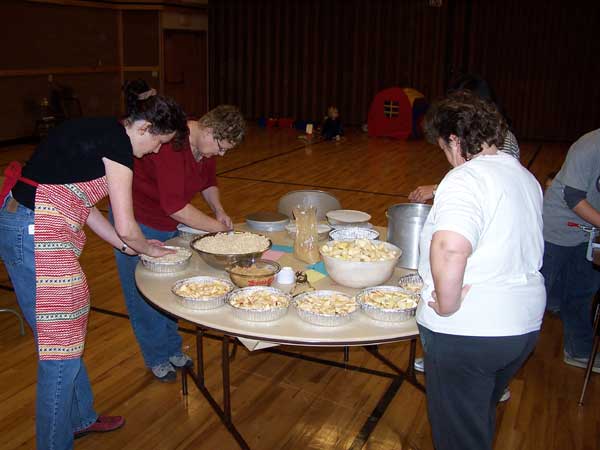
332,125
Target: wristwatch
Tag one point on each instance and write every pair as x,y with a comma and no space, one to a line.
124,248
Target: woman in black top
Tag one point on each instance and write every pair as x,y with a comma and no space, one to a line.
41,238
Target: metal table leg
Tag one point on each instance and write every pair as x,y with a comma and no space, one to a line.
593,355
12,311
224,413
409,374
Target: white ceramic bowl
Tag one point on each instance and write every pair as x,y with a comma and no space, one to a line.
361,274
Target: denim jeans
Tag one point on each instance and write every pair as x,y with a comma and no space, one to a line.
465,377
578,282
64,401
155,331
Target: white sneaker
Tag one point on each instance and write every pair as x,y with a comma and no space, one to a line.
164,372
181,360
582,362
419,365
505,395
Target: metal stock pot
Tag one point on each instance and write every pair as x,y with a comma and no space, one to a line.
405,222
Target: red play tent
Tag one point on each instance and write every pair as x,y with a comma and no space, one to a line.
391,112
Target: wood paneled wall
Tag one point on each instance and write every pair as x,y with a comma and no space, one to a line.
294,58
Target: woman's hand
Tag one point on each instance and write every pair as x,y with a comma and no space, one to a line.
436,306
422,194
222,217
156,249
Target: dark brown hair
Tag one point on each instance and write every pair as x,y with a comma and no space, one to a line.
163,113
226,122
473,120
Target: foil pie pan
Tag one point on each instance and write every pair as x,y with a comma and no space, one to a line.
167,267
352,233
258,315
324,320
202,303
385,314
407,281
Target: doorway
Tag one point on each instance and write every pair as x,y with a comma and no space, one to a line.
186,70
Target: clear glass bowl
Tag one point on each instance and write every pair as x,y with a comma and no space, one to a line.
240,275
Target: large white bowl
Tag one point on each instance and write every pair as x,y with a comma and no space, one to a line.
361,274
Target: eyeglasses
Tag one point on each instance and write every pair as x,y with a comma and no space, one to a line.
221,149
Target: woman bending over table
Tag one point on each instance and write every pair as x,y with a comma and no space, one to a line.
163,187
481,251
41,238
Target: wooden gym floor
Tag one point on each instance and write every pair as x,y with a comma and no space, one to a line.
280,401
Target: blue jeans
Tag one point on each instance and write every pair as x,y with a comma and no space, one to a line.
155,331
578,282
64,401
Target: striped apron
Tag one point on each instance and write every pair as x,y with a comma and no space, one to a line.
62,295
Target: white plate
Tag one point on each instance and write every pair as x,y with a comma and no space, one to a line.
185,229
347,216
341,226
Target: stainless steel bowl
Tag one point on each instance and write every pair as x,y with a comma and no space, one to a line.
222,260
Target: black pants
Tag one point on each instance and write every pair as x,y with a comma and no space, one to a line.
465,378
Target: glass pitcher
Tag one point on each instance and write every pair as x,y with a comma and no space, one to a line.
306,245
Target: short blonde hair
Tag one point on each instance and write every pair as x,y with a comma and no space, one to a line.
226,122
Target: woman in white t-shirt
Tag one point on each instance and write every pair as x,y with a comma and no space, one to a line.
481,250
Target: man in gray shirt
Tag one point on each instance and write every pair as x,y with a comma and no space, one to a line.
573,197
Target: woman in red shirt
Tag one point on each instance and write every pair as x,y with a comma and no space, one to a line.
163,187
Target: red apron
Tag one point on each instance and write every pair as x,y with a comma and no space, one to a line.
62,294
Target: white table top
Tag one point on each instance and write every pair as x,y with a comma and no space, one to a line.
290,329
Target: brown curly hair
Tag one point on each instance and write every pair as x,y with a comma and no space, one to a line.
473,120
226,122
